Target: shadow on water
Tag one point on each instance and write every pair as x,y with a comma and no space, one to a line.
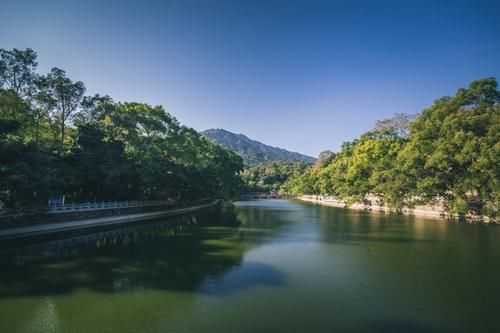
249,275
199,253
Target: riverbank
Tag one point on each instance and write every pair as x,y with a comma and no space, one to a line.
43,229
372,203
82,211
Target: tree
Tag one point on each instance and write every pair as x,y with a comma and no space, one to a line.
17,75
398,125
63,95
94,109
324,158
17,70
101,169
453,151
25,169
450,153
118,151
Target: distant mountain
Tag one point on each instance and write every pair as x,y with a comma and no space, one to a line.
253,151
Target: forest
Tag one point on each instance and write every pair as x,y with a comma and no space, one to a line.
271,175
449,153
56,141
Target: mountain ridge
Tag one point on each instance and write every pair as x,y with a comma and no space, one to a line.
252,151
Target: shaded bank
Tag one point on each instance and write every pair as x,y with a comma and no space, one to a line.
47,228
115,261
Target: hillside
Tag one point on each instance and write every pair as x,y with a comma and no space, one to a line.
253,152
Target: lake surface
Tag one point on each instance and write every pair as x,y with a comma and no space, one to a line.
258,266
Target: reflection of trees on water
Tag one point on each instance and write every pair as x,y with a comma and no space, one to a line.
175,255
339,225
262,224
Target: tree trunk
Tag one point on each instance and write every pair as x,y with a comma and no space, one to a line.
62,133
37,128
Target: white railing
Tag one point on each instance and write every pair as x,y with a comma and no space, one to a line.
76,207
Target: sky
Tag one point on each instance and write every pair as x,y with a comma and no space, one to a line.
301,75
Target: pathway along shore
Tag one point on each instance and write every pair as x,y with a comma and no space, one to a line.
43,229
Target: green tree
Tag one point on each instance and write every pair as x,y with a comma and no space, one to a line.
117,151
449,154
62,97
17,77
453,151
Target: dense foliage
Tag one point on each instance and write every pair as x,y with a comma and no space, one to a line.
270,176
56,141
450,153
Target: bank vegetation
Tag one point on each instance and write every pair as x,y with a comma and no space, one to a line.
56,141
447,155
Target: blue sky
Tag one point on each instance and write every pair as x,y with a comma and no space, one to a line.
302,75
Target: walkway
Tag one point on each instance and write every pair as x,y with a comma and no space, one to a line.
41,229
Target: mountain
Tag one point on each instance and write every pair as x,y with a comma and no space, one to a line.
252,151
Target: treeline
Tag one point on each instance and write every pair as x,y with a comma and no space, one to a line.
56,141
270,176
449,153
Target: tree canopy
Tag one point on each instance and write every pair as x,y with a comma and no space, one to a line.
56,141
449,153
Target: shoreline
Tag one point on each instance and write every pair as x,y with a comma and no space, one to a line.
425,211
55,227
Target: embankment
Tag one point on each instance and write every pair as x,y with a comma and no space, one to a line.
48,228
373,203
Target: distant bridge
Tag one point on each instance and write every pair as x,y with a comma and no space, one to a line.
263,195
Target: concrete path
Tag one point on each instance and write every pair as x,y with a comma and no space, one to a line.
41,229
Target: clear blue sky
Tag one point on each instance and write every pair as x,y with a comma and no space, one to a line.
302,75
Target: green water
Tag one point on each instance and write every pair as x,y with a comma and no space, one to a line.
258,266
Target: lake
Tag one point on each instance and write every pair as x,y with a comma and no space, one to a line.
257,266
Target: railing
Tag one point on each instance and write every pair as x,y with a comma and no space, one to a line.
76,207
80,207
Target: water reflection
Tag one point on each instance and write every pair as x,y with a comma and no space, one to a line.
179,254
45,318
249,275
259,266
